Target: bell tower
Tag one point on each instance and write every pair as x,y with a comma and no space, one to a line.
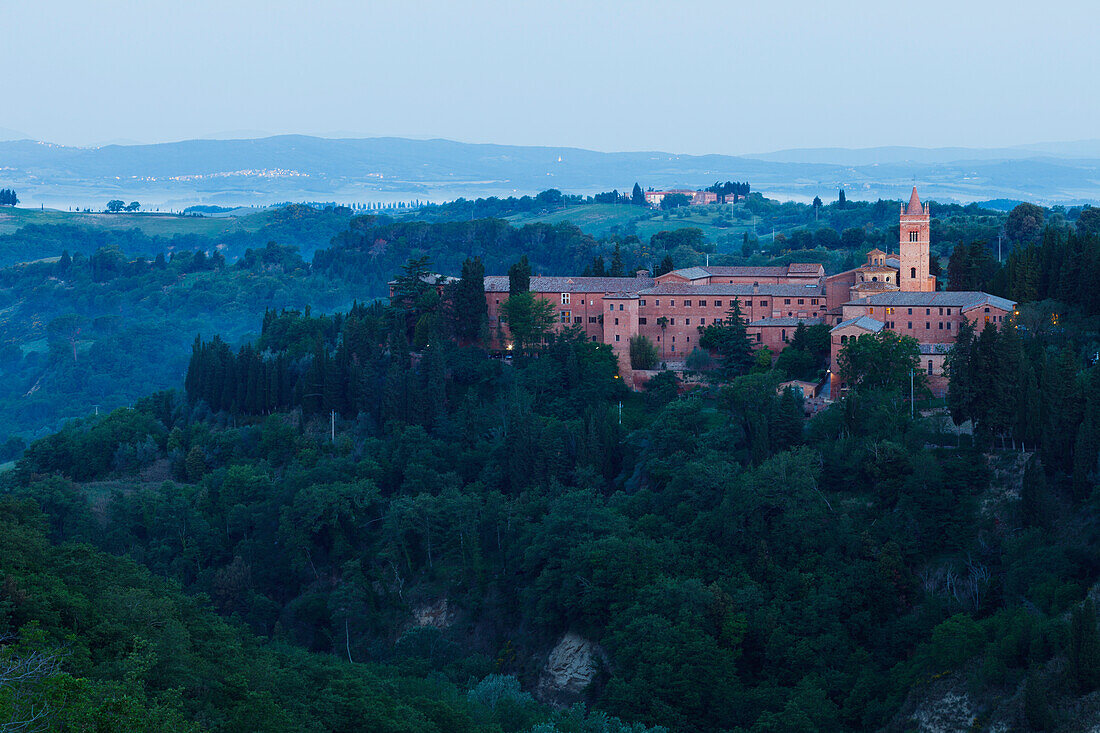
916,229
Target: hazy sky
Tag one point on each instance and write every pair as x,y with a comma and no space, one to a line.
693,77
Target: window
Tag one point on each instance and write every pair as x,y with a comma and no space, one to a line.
910,311
889,311
910,325
687,303
672,322
641,302
673,338
577,319
927,311
616,337
498,301
783,332
687,321
813,301
611,306
565,298
913,273
927,326
843,339
930,367
593,338
987,319
616,321
941,311
642,321
763,304
565,316
702,303
592,319
941,325
757,337
657,302
801,301
674,348
949,325
987,310
874,279
620,306
786,301
914,236
872,310
717,304
671,303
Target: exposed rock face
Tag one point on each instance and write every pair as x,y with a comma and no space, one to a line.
570,668
948,713
436,614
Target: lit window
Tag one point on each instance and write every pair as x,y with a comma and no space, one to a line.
565,316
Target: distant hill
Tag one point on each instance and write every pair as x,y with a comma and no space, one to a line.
301,168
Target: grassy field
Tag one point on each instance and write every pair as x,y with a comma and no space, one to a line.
719,224
153,224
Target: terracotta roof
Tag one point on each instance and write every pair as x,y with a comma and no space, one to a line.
808,291
565,284
875,251
914,207
865,322
775,322
965,299
805,267
872,285
697,273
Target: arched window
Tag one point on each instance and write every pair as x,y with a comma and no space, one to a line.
874,279
843,339
930,367
913,273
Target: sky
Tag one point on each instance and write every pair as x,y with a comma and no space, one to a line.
689,77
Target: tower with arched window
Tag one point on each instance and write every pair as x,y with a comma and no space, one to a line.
915,228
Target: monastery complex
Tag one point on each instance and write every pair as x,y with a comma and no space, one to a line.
894,293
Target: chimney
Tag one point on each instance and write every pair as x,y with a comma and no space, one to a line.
641,273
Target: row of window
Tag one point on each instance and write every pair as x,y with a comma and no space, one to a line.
927,311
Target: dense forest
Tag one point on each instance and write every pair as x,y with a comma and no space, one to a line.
380,512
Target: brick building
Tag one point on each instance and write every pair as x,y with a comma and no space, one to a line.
894,293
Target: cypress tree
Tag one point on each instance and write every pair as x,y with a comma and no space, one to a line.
1084,648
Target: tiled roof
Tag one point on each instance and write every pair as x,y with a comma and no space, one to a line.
875,251
876,286
696,273
766,322
802,268
565,284
864,322
965,299
893,262
914,207
799,291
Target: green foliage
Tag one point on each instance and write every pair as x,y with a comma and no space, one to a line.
730,340
674,201
881,361
643,353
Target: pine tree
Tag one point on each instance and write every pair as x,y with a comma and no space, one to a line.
637,197
666,266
